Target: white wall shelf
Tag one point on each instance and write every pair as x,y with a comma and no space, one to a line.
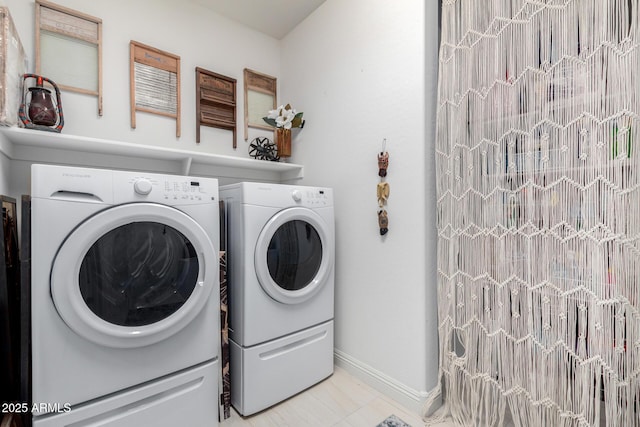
49,147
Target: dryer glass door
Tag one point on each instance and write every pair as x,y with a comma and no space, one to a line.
133,275
294,255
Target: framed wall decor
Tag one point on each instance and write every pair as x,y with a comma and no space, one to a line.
10,228
215,102
7,369
259,98
155,82
9,301
69,49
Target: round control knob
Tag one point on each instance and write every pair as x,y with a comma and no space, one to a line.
297,195
142,186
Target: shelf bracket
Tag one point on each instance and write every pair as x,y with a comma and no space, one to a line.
292,176
6,147
186,165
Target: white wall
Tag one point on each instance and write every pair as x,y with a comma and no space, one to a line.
200,37
364,70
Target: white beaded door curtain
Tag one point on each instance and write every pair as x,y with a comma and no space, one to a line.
538,210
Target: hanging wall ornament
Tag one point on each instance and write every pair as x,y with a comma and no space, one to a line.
383,222
383,189
383,163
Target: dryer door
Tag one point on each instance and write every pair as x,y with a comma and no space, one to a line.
294,255
133,275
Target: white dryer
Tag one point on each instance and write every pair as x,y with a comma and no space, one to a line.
280,264
125,298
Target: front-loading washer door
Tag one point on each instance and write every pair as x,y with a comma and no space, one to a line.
133,275
294,255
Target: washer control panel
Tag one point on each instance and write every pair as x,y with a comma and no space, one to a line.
169,189
310,197
183,190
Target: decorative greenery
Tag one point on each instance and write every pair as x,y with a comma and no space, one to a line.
284,117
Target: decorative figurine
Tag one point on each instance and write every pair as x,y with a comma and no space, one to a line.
383,193
263,149
383,222
383,164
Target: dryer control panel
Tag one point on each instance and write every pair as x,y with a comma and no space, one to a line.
280,195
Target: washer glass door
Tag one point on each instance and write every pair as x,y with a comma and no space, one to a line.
293,255
138,274
133,275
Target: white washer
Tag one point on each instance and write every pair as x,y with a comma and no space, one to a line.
281,286
125,298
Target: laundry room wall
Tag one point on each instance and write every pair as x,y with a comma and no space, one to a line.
362,71
199,36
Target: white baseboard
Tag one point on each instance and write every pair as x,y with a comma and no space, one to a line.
408,397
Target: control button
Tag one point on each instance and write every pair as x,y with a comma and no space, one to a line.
142,186
297,195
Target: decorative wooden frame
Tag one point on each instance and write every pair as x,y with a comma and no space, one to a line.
7,352
72,29
9,223
156,98
215,102
9,298
260,85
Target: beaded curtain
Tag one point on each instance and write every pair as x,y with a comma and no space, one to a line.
538,210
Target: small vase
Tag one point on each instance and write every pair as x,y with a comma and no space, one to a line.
283,142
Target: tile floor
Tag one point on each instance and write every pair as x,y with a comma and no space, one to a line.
341,400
